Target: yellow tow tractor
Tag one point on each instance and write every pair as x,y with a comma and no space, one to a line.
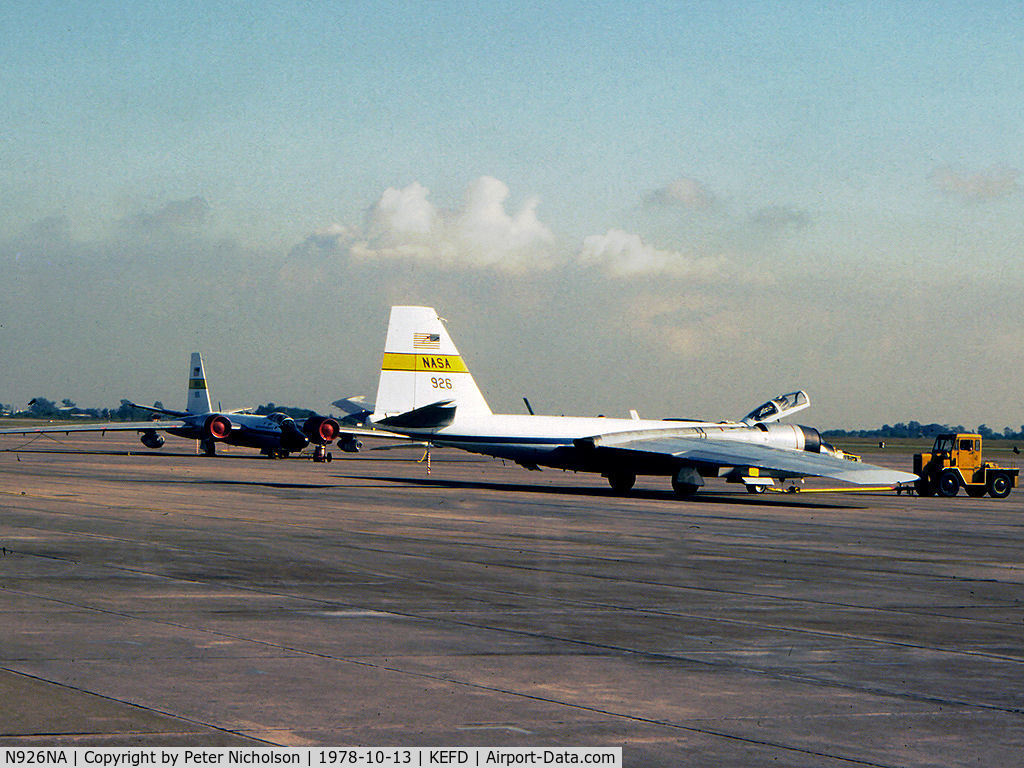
955,462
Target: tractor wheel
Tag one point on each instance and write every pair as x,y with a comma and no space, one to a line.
949,483
999,485
976,491
924,487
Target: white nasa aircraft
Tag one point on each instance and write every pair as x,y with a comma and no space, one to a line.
275,435
426,392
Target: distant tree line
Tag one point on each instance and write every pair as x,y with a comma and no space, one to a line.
915,429
43,408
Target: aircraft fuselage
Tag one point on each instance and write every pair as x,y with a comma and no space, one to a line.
248,431
547,441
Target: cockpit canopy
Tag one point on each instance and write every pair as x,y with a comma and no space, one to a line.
777,407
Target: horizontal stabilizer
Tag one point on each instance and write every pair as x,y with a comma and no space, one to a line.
433,416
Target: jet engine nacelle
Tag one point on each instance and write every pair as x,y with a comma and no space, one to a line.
321,429
791,436
152,439
217,427
349,444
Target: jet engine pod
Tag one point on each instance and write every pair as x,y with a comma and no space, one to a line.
349,443
792,436
152,439
321,429
217,427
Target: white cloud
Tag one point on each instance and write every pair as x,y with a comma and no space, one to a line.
623,254
485,230
404,224
403,213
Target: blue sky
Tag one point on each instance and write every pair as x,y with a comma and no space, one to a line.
695,205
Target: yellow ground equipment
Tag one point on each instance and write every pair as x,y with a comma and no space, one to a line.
955,462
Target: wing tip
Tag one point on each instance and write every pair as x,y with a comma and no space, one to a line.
878,476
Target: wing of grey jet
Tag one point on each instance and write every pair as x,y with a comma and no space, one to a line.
113,426
710,455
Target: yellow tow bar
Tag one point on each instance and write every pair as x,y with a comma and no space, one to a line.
865,489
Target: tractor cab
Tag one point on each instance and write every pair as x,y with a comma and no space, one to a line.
961,450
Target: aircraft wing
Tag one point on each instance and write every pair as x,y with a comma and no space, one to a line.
114,426
354,404
356,409
161,411
709,455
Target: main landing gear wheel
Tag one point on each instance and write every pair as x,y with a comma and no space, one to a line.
1000,485
684,490
949,483
686,481
621,481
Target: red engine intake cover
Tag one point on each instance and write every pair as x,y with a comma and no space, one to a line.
325,430
217,427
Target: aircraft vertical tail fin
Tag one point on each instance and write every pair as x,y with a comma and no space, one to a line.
198,397
421,366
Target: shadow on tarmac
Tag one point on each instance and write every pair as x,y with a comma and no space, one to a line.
712,497
164,454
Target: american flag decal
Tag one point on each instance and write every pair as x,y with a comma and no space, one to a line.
426,341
